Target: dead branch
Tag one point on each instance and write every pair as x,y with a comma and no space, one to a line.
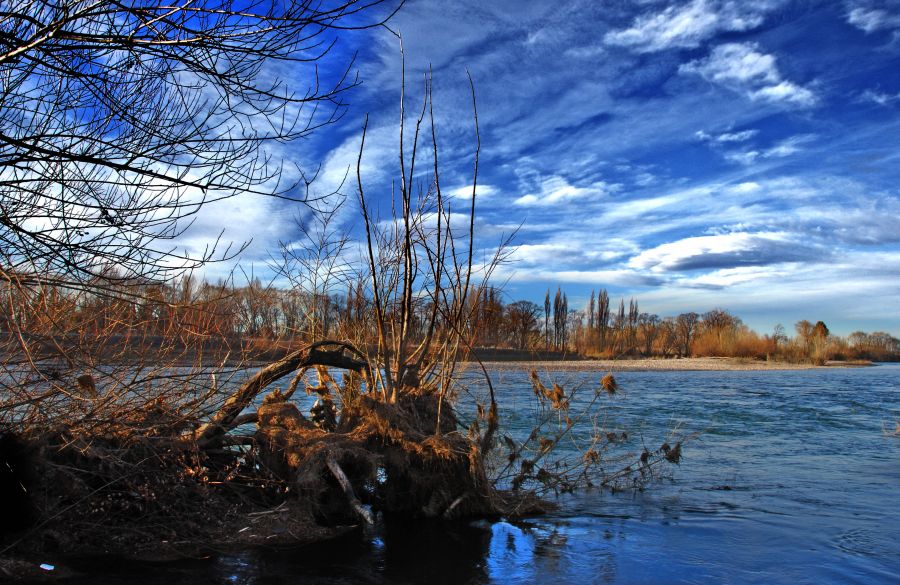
338,473
209,435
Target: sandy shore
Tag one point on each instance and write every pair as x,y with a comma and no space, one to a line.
661,365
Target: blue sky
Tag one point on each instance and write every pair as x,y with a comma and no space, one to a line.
700,154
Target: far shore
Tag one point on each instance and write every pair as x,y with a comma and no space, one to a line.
667,365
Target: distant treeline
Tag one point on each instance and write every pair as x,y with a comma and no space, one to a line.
601,329
262,319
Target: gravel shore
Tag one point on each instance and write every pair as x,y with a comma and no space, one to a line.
661,365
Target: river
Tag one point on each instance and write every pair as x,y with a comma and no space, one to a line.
794,479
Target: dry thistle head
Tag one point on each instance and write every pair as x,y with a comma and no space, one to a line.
86,385
557,397
672,454
608,383
539,389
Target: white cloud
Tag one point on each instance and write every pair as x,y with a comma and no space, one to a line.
782,149
615,277
254,221
726,137
557,253
644,179
786,91
741,67
458,221
789,146
718,251
585,52
736,63
792,288
557,190
744,157
871,18
379,161
642,207
688,26
746,187
728,277
784,295
482,192
878,97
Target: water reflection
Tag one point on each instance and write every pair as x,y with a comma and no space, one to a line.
435,553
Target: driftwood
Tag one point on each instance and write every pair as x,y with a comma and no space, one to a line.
210,434
341,477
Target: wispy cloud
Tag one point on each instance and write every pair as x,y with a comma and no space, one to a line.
592,278
557,190
687,26
726,137
562,253
879,97
781,149
742,67
874,16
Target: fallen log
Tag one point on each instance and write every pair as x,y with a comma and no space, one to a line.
209,435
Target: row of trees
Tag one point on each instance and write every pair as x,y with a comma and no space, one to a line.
595,331
259,311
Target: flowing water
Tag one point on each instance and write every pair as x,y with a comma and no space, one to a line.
795,479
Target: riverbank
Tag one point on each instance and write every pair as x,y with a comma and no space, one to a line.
665,365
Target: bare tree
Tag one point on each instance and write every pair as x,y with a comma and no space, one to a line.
804,330
522,323
316,267
118,121
547,320
685,327
718,329
649,326
602,320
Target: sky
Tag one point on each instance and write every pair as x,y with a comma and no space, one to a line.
693,155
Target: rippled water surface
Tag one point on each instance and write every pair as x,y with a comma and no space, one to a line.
795,479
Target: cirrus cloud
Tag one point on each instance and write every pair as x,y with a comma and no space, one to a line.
874,16
742,67
688,26
557,190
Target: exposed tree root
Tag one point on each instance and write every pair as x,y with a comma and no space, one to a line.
144,483
126,489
